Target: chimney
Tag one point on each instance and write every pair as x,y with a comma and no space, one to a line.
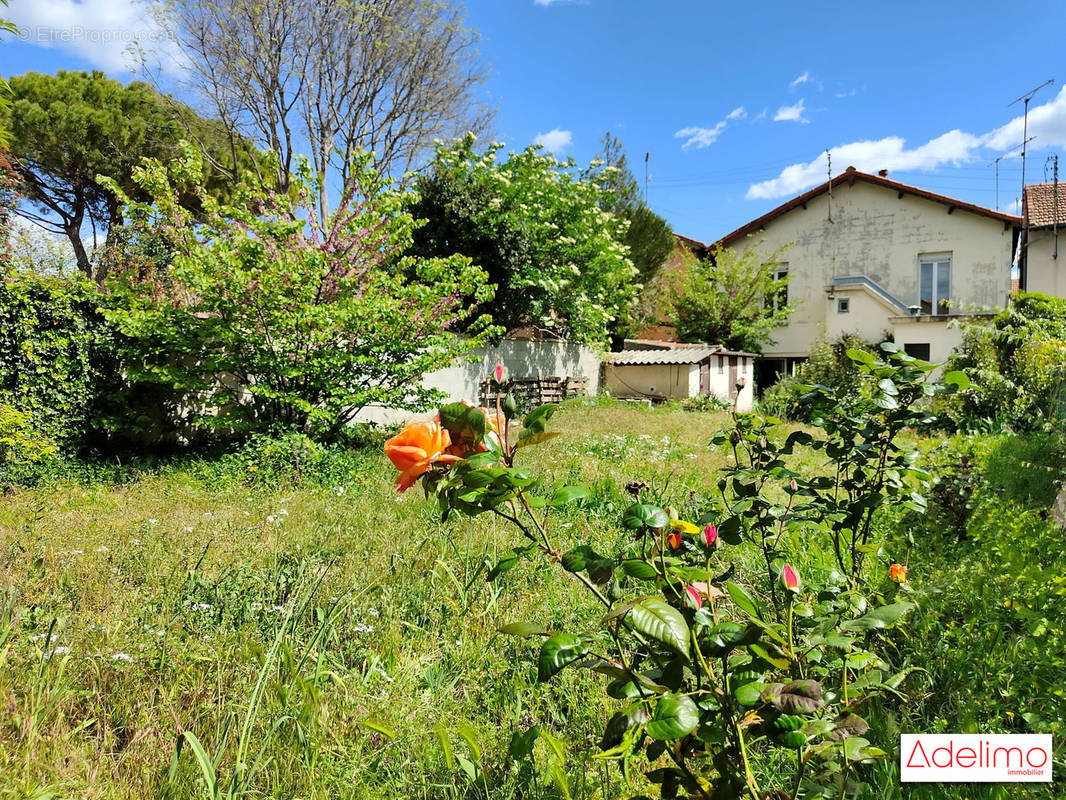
883,173
850,169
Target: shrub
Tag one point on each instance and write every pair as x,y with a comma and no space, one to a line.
271,317
828,365
58,361
1017,366
24,450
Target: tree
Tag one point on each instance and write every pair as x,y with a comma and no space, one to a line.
67,129
648,235
385,76
6,26
734,298
536,226
273,318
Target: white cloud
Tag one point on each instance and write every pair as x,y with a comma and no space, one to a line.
106,33
792,113
555,140
954,147
806,76
700,137
552,2
842,95
705,137
1047,123
761,114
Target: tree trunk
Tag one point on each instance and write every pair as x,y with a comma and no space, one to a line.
72,228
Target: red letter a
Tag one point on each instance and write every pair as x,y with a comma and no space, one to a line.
917,747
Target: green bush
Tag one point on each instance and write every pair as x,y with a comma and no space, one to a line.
1018,368
24,450
828,365
58,361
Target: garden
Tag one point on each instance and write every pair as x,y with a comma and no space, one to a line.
222,576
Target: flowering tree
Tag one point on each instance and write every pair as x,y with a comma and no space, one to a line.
268,315
537,228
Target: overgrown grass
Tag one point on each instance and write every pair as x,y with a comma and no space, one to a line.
164,621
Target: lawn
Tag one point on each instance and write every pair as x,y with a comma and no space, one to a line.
303,617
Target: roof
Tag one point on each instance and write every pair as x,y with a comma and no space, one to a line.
1040,202
849,176
689,241
684,355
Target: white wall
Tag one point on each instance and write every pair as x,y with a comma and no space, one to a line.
521,358
941,336
867,316
1044,273
880,235
652,380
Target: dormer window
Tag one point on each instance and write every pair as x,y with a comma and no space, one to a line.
934,283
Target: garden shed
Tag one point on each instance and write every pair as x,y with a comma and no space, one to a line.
659,371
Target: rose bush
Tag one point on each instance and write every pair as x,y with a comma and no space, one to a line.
722,691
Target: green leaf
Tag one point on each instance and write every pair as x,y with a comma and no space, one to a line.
878,618
641,570
957,379
859,356
640,515
675,716
655,618
575,560
534,438
802,696
558,651
568,494
505,564
743,599
887,386
380,727
523,629
536,418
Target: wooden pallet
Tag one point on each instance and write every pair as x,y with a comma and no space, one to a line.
532,392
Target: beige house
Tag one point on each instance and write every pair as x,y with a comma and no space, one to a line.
1044,212
658,370
873,256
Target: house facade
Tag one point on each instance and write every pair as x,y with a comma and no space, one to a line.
1044,212
871,256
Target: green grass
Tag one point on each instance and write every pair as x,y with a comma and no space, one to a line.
322,629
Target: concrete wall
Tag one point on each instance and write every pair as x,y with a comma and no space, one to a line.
521,358
941,335
867,315
880,235
652,380
1044,273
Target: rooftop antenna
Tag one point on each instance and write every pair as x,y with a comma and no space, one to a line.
1025,98
829,169
647,155
996,162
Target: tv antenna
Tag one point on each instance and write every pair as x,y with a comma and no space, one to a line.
1025,98
647,155
996,163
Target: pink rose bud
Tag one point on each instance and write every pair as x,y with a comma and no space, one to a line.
792,484
710,535
695,595
790,578
499,373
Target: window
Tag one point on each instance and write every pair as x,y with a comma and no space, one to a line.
843,305
917,350
779,297
721,365
934,284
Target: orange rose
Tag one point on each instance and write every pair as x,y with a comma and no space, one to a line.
416,448
897,573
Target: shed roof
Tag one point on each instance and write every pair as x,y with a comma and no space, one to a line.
684,355
849,176
1040,204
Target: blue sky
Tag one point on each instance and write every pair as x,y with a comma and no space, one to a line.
737,102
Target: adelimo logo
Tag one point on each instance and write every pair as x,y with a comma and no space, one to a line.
975,758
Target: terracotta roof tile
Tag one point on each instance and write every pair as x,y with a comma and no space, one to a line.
1040,204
